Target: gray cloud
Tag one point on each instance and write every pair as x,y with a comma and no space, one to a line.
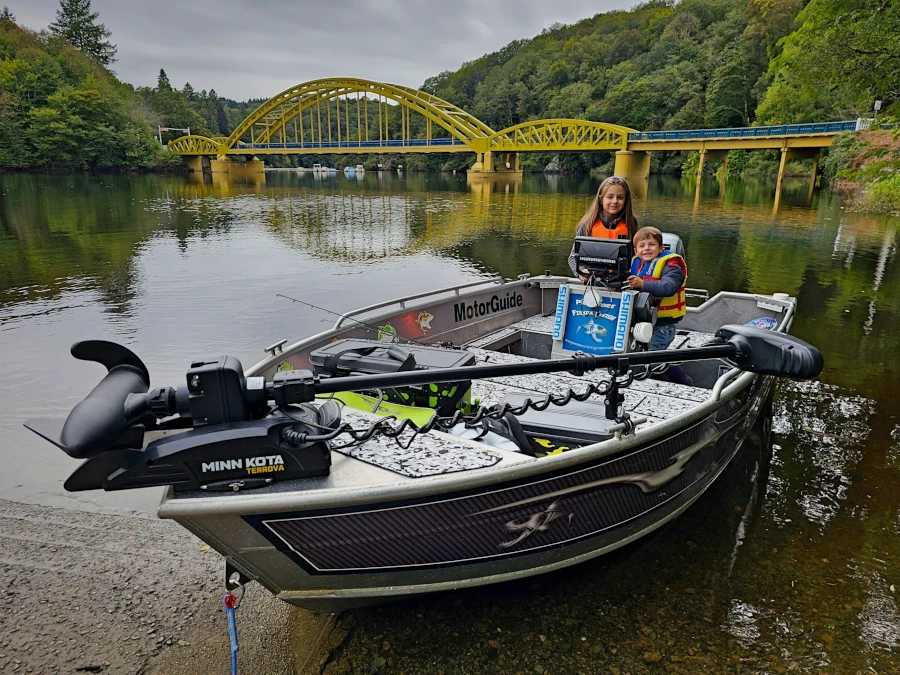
245,49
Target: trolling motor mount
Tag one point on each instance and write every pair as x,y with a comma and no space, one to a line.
233,440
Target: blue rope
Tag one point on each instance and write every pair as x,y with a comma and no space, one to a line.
228,600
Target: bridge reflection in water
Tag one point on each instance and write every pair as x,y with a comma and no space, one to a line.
300,120
505,223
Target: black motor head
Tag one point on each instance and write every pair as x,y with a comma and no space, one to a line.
769,353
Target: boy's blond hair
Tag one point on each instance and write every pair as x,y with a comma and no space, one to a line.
648,233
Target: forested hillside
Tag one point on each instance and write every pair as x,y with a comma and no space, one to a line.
61,107
661,65
700,63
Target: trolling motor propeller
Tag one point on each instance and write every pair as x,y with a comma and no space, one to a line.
109,410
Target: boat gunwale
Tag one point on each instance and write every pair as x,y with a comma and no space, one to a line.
241,504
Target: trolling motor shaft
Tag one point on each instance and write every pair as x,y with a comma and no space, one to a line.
228,414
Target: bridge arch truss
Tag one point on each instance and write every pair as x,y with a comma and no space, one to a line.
275,122
560,135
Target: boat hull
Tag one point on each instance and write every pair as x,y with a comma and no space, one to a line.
388,549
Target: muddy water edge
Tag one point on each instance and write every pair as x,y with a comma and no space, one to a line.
790,564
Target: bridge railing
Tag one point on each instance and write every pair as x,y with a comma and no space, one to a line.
746,132
315,145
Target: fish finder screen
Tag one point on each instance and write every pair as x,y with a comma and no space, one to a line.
609,260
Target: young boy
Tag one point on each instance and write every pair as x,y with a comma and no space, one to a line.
663,275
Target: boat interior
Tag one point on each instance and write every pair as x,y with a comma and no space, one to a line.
383,462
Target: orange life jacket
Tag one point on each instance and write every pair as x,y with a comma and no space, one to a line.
601,231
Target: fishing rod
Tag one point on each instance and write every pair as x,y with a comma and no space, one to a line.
342,316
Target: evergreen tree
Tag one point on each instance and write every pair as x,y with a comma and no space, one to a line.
6,15
222,118
162,82
208,110
76,23
188,92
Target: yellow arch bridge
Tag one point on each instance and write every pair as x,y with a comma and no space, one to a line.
355,116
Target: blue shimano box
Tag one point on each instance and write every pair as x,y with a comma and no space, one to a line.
592,320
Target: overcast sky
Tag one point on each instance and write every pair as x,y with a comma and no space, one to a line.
255,49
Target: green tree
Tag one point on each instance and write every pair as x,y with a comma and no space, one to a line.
31,76
7,16
13,151
77,128
162,81
77,24
844,55
222,118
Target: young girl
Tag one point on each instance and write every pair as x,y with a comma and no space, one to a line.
610,216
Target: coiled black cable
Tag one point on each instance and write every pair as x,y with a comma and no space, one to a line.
386,428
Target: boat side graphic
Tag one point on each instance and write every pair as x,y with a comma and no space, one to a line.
581,504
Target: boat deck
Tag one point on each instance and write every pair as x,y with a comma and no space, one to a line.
381,460
652,399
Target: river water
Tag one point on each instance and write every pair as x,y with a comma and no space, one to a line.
791,565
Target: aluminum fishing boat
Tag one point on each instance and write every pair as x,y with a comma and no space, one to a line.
615,456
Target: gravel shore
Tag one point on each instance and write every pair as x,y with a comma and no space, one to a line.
87,592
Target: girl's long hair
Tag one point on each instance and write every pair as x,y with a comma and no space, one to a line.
595,209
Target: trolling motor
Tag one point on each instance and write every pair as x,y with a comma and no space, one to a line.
236,432
235,441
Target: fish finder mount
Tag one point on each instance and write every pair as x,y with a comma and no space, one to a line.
607,260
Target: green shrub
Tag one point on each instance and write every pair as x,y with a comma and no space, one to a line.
845,149
882,196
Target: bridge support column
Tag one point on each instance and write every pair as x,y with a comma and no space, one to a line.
632,164
510,163
788,154
781,165
711,155
724,173
488,164
485,163
224,164
194,163
220,164
812,177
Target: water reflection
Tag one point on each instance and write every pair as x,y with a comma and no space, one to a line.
789,566
828,429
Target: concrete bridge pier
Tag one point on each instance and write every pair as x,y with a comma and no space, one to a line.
484,163
632,164
788,154
194,163
224,164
